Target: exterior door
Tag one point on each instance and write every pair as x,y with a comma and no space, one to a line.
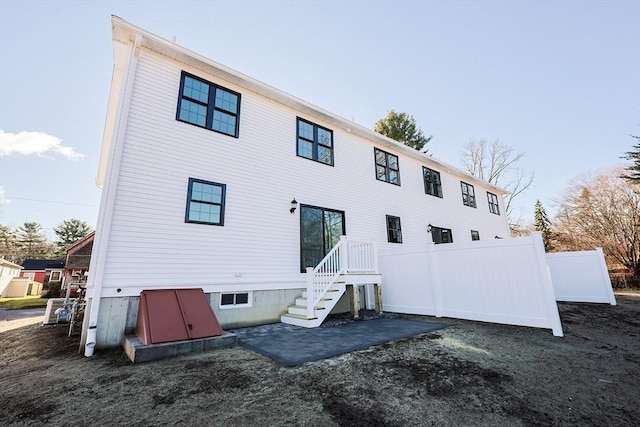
320,231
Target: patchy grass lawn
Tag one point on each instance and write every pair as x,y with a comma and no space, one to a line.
23,302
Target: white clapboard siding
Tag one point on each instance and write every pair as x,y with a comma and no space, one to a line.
151,246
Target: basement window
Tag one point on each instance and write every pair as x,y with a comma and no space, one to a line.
235,300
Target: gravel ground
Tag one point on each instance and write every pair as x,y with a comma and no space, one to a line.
470,374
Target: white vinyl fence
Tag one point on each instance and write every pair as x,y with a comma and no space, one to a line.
580,277
501,281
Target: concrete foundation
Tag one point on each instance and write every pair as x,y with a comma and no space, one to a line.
138,352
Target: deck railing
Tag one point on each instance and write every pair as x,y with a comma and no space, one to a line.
348,256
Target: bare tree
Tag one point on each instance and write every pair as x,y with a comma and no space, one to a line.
497,163
601,210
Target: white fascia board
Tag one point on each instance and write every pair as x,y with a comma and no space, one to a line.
126,32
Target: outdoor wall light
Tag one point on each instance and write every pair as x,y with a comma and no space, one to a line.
294,205
429,227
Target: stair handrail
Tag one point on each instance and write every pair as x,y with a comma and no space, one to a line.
323,276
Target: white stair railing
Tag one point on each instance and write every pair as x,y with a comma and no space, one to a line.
348,256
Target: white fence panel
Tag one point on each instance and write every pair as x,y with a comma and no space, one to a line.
407,286
580,277
502,281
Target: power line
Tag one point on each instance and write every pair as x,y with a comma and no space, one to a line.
50,201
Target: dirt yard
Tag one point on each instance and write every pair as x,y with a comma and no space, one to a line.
470,374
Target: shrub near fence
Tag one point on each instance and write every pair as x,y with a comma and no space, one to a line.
624,280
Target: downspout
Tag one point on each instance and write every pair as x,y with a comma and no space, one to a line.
103,227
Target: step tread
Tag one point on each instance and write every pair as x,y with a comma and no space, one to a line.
298,316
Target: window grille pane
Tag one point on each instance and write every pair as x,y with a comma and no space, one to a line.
196,89
193,113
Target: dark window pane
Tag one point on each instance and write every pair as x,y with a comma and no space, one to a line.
394,178
242,298
226,299
324,137
324,155
393,162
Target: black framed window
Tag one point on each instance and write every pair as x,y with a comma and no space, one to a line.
387,167
394,230
315,142
494,207
205,202
432,183
475,235
208,105
441,235
468,194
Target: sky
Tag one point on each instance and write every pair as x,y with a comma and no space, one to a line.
556,80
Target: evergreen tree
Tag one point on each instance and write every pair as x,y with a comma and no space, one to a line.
32,241
541,223
633,171
70,231
9,249
403,128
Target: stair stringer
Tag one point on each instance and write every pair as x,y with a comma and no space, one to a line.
296,314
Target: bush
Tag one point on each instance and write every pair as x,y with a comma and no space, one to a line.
624,281
53,290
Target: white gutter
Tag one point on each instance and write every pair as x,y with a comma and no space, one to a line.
115,128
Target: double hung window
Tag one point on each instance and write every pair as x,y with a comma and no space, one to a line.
394,230
432,183
315,142
387,167
468,194
205,202
207,105
494,207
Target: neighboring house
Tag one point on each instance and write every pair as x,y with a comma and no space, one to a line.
200,167
77,264
8,271
45,271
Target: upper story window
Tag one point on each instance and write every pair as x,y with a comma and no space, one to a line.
315,142
441,235
432,183
475,235
205,202
387,167
394,230
468,194
494,207
210,106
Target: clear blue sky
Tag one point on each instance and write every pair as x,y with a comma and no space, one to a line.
557,80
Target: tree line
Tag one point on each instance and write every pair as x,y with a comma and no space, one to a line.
30,241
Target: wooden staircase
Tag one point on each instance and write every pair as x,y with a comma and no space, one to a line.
348,263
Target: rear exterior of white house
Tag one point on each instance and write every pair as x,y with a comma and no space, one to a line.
199,167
